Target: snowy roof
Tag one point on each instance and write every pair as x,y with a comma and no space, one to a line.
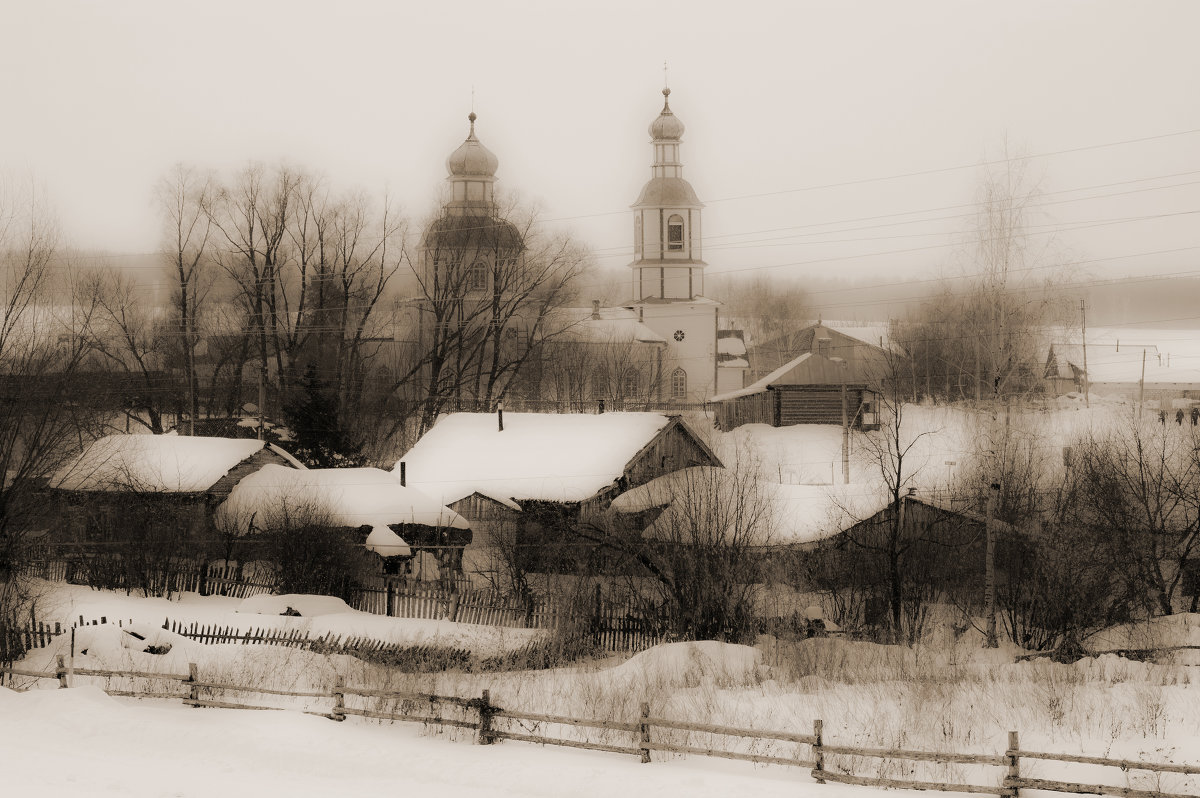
613,325
565,457
154,463
731,342
807,369
795,514
1118,363
731,349
873,333
350,497
809,513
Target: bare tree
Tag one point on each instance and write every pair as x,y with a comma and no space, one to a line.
136,342
489,286
890,536
43,349
252,216
1134,489
346,254
701,549
185,200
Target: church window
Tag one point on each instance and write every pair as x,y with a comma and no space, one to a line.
477,280
599,384
637,234
678,383
675,233
680,335
632,383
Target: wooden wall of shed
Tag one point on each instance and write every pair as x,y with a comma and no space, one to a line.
265,456
490,521
757,408
823,406
672,449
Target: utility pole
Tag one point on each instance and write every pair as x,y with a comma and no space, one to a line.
262,400
1083,320
1142,385
990,566
845,434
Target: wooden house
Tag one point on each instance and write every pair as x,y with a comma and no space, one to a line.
525,481
861,347
393,521
152,490
810,389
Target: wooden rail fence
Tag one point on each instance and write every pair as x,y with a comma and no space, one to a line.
488,722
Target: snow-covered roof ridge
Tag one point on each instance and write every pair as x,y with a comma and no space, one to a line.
796,514
352,497
614,325
565,457
154,463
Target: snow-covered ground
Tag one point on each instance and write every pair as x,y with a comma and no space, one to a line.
951,698
82,743
319,616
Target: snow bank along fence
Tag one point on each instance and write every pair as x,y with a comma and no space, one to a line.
613,626
329,643
643,735
14,642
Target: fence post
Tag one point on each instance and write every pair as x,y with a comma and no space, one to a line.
339,698
1014,764
818,754
193,677
485,720
644,731
61,672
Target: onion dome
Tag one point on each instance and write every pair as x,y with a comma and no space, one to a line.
667,126
472,159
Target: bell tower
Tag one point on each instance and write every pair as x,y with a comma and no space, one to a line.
666,224
668,270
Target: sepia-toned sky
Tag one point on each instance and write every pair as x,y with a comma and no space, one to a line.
795,112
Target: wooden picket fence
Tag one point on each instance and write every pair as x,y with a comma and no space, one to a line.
611,625
354,645
618,626
15,641
645,734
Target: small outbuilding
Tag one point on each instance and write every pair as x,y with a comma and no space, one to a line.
394,521
810,389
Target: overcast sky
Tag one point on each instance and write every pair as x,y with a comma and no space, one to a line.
780,101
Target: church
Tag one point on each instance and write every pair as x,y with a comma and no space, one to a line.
662,347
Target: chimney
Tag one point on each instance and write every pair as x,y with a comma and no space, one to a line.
500,415
403,480
596,309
